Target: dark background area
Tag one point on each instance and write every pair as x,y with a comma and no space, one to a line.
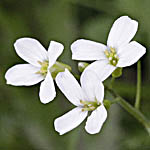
27,124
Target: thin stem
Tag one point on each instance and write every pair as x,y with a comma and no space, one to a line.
115,101
138,91
112,82
133,111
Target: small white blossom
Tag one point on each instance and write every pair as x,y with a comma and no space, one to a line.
87,97
119,52
40,61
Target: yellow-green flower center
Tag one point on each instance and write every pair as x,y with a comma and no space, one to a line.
112,56
44,68
90,105
54,70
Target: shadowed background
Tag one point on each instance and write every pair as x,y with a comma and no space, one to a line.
27,124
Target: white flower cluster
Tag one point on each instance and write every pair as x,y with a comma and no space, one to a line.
119,52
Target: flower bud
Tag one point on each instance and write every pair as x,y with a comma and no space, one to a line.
82,66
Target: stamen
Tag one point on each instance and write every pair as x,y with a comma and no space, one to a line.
89,105
43,69
112,50
112,56
106,53
40,62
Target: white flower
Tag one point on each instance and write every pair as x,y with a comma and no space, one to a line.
40,61
87,97
119,52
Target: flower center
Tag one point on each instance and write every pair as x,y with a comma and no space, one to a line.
44,67
112,56
90,105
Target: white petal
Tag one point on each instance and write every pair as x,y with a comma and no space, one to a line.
122,31
70,87
87,50
102,68
47,89
100,92
70,120
130,54
24,74
95,120
31,51
92,86
54,51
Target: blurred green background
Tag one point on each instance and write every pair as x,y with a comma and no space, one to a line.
25,123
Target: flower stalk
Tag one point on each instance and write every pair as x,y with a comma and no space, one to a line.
129,108
138,92
112,82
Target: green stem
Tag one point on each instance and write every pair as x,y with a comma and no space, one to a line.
138,91
115,101
112,82
133,111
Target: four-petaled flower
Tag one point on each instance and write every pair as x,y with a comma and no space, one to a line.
87,97
40,61
119,52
